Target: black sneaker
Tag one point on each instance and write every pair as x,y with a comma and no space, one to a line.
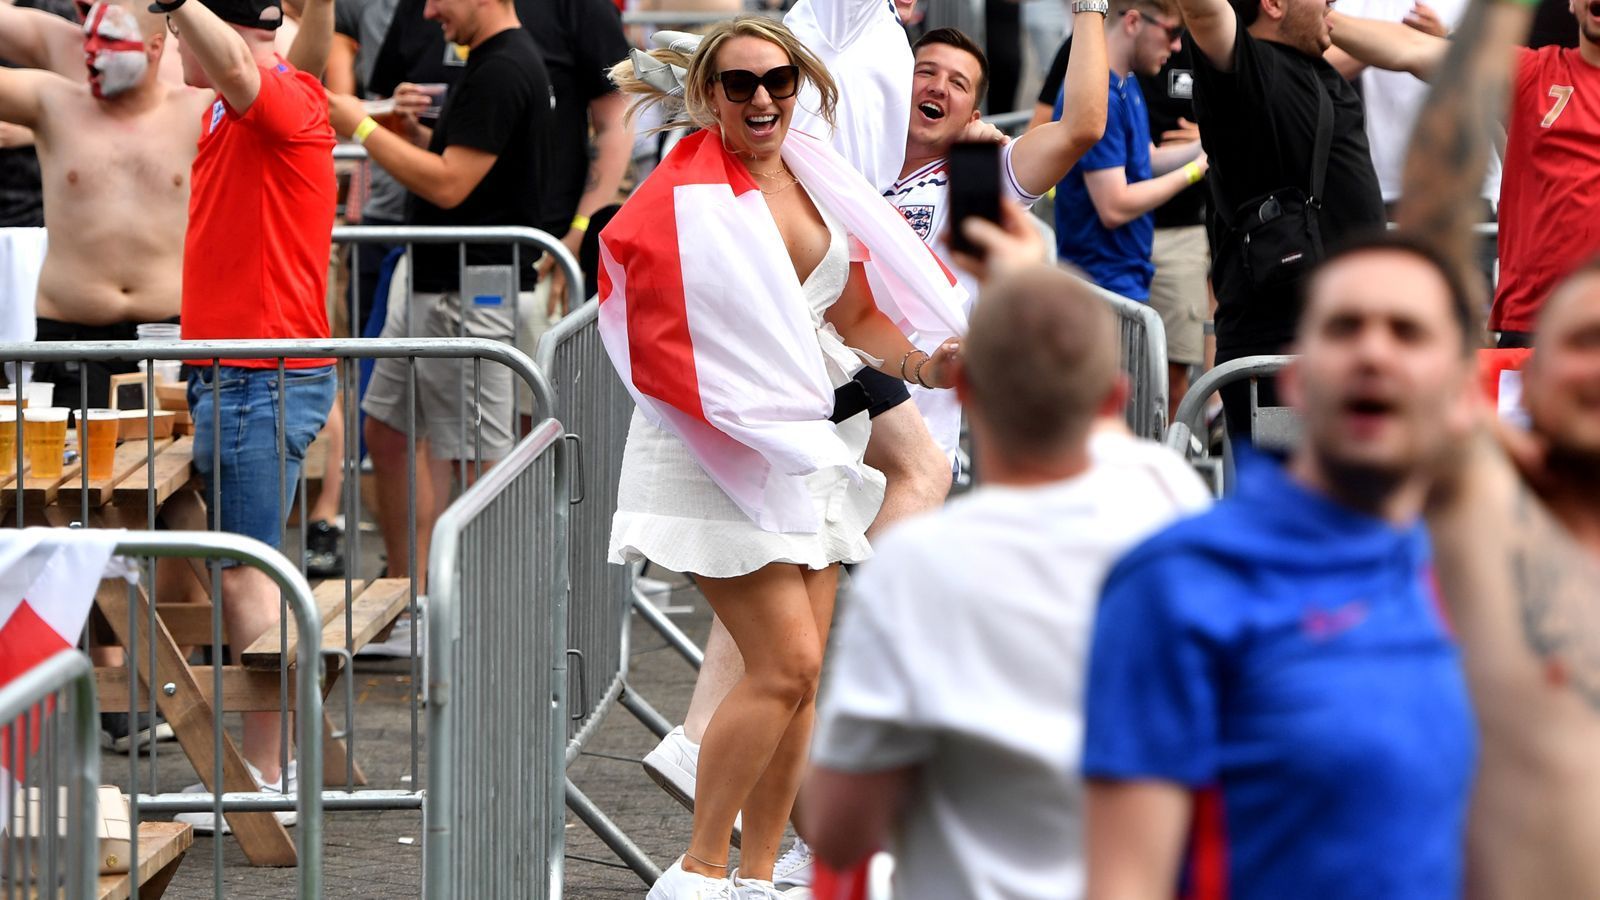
323,558
116,733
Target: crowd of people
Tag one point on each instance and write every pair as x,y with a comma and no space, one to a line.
1368,671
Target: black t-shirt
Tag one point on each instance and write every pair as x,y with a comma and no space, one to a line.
21,195
1258,125
1167,97
580,40
501,105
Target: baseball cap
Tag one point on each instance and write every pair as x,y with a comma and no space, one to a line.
265,14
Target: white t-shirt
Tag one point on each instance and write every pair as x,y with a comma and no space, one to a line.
963,652
1393,99
865,48
923,197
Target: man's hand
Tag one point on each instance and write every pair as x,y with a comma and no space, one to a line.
1186,132
1423,18
1015,242
557,276
979,131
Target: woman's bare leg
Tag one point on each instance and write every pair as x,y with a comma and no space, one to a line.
771,802
770,616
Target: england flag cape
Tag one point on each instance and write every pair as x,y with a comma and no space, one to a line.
704,318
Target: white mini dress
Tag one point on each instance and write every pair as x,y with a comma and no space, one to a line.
670,512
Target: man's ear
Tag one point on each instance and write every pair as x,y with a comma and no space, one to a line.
1276,9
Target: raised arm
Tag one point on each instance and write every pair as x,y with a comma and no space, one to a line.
221,52
1214,28
1045,154
309,52
1449,149
1388,45
35,39
19,96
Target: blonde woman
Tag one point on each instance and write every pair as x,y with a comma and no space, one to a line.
734,302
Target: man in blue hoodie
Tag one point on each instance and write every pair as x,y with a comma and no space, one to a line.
1272,688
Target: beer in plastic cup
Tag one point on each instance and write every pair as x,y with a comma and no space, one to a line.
8,440
45,439
436,91
100,442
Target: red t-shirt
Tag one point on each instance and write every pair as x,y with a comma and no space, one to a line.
1549,192
261,207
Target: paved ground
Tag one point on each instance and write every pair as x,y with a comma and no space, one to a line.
378,854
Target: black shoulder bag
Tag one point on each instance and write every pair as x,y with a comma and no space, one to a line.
1277,235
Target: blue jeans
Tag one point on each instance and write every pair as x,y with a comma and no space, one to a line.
253,502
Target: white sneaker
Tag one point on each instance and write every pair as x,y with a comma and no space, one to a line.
204,822
672,765
676,883
795,868
754,888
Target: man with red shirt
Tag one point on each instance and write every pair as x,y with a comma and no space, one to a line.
1549,192
261,209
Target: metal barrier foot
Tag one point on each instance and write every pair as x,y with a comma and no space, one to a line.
614,837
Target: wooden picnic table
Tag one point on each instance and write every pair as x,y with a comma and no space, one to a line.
186,697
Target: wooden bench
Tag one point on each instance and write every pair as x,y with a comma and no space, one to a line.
253,684
161,848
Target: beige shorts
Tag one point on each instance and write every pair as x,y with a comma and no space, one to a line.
1178,292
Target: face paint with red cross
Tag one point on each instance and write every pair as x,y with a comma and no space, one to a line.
113,49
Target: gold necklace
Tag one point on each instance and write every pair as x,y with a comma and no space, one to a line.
792,182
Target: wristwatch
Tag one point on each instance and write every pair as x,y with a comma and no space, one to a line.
1100,6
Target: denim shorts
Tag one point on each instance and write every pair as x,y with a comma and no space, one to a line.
253,502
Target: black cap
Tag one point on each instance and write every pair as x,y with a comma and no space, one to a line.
264,14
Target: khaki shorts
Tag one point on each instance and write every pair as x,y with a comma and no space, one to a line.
456,411
1178,292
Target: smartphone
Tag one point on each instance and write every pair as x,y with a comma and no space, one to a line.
974,189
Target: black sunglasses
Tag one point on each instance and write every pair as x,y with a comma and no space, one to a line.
739,85
1174,32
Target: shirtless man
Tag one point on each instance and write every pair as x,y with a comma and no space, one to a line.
1518,552
114,154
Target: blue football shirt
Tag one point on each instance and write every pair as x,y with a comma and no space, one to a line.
1118,259
1290,653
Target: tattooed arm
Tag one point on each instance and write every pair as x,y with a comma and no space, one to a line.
1449,149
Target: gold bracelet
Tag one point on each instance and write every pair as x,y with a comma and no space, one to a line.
917,375
580,222
364,130
903,360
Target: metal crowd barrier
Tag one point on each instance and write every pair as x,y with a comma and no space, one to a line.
1144,358
498,607
308,802
49,770
1271,426
159,478
596,408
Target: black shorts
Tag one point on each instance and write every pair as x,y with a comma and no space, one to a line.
67,376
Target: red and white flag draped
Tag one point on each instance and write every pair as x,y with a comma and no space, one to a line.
704,317
48,578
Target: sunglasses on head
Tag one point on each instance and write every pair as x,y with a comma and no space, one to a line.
739,85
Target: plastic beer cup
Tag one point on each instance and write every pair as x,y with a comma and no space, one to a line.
100,442
8,440
46,440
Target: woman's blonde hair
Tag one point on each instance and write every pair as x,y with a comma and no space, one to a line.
697,106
